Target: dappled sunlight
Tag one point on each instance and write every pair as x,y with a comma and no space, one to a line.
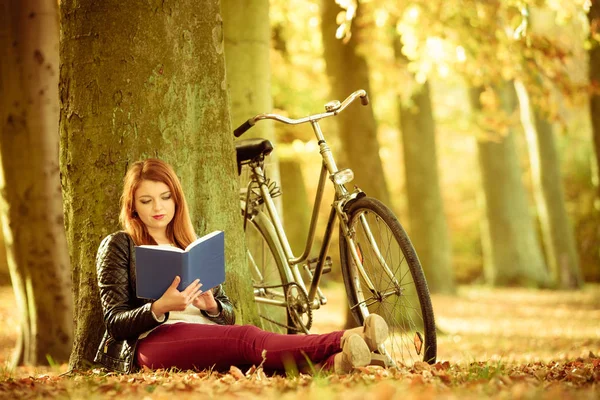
512,325
518,325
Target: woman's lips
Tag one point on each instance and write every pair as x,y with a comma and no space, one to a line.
161,216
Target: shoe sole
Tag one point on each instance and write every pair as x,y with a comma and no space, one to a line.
376,331
356,353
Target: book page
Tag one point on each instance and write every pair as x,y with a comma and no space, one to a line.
166,247
202,239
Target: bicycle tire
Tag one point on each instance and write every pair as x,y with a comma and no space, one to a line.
269,259
410,339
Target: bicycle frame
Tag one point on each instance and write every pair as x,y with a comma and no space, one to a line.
342,197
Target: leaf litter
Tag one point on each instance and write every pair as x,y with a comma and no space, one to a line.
543,345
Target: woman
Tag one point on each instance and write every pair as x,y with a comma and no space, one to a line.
194,329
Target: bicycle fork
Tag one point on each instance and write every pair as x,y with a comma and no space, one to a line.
358,259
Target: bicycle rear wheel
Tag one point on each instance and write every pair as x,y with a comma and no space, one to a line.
265,261
400,294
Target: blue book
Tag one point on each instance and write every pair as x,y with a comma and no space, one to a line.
157,266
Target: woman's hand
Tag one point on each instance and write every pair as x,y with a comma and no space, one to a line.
174,300
206,301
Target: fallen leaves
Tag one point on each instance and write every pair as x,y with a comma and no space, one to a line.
379,383
515,361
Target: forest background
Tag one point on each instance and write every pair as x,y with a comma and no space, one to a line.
482,135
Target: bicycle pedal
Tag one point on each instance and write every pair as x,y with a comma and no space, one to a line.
312,265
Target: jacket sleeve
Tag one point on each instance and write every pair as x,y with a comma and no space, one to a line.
227,314
123,316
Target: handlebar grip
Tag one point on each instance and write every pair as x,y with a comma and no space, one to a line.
239,131
364,100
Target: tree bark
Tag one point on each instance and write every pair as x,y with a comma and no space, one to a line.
32,216
559,239
149,83
428,228
515,257
348,71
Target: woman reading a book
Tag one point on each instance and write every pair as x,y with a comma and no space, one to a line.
194,328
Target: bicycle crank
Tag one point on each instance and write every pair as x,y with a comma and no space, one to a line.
298,308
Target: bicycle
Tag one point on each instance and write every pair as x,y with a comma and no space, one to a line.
373,250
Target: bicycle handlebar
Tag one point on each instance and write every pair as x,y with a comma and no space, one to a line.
336,109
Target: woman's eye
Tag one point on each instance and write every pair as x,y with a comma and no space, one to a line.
145,201
166,197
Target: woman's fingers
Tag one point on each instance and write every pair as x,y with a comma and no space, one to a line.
194,295
175,282
192,287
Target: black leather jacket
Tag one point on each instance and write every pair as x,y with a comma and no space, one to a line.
125,315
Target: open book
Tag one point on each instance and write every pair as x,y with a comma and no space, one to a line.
157,266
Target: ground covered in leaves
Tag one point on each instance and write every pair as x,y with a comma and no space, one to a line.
499,343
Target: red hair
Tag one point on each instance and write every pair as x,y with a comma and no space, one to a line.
180,230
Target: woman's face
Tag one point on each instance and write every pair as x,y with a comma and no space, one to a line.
155,205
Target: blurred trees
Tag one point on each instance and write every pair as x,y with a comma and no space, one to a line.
348,71
167,99
32,217
475,44
514,255
247,45
594,77
428,228
492,43
557,234
296,206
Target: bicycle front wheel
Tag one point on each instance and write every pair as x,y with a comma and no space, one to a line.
266,264
397,290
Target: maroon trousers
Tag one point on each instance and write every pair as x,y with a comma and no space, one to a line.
197,346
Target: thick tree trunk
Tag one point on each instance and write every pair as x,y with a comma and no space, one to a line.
149,83
516,257
32,215
348,71
559,240
594,76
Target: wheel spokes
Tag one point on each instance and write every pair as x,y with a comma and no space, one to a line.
394,288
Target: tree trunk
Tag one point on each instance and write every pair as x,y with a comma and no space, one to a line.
149,83
516,257
559,240
247,59
247,47
594,76
32,215
428,227
296,203
348,71
4,274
